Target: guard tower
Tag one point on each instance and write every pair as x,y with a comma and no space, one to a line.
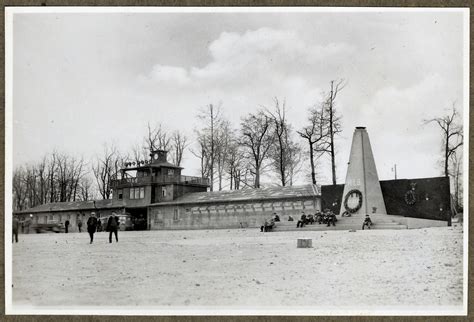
145,182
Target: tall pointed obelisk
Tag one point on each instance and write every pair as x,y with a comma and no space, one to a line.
362,192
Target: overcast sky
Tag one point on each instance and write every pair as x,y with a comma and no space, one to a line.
81,80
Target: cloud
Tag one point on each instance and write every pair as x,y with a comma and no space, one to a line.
255,55
170,74
396,117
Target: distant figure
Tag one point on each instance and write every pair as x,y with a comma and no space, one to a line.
330,218
367,222
92,226
276,217
66,226
28,223
79,225
267,226
290,218
15,225
112,226
318,217
99,225
302,221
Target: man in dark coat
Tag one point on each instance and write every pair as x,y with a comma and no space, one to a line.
15,225
66,226
92,226
112,226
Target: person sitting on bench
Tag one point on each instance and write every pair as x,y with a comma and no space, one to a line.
267,226
367,222
330,218
290,218
302,221
276,217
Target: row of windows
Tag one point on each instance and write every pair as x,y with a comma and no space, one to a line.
251,207
137,193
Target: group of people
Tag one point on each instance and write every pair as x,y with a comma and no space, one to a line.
113,225
93,225
328,217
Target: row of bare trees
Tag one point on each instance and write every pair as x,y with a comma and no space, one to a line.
56,178
265,143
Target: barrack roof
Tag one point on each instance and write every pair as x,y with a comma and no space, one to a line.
75,206
270,193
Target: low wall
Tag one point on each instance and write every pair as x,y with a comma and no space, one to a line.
413,223
228,214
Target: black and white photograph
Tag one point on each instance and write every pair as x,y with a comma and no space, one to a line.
236,161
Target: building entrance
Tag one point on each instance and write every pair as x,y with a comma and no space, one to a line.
139,218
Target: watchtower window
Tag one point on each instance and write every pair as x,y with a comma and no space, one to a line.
137,193
170,172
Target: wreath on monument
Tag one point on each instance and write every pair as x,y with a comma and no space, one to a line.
410,197
350,194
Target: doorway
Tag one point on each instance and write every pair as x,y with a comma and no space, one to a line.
139,218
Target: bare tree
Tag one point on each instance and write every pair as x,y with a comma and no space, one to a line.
19,189
223,142
456,173
234,164
85,189
285,154
211,118
315,133
157,138
334,122
105,169
203,155
452,135
257,141
179,143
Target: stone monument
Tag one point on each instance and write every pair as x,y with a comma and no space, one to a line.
362,192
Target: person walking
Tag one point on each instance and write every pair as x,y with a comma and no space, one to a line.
112,226
92,226
15,225
66,226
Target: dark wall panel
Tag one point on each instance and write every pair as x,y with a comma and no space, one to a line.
432,197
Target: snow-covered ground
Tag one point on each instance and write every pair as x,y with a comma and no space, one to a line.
371,269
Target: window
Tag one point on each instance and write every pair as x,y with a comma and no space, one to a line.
120,193
137,193
163,191
176,215
170,172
